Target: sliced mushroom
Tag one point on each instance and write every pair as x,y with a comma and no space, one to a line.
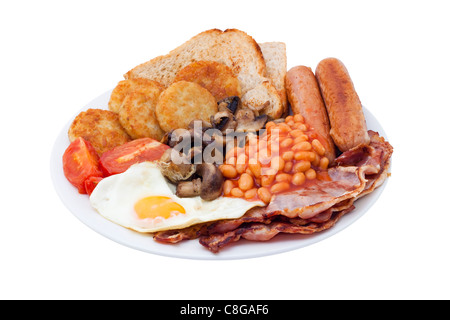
212,181
223,120
246,120
231,103
217,138
199,124
280,120
196,136
175,170
209,186
257,124
186,189
173,137
245,115
166,138
214,151
194,154
169,140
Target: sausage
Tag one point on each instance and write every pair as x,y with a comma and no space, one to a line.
348,125
305,99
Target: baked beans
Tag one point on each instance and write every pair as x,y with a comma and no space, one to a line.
310,174
298,178
318,147
250,194
280,177
228,171
288,166
236,192
302,166
264,195
279,187
245,182
298,118
324,162
286,156
227,186
255,168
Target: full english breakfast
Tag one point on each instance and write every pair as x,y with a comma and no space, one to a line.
218,141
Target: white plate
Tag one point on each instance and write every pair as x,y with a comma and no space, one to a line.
80,206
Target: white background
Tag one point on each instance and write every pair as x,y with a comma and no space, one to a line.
56,57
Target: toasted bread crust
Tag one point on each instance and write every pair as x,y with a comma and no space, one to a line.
276,67
265,92
232,47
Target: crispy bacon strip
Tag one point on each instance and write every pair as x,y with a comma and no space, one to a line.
257,214
345,183
374,161
175,236
264,232
254,215
318,208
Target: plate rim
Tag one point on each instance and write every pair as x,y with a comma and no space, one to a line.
233,251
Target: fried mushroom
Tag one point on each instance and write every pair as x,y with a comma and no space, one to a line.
247,121
187,189
175,170
223,120
210,187
229,103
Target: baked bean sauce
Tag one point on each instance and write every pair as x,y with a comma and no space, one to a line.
285,157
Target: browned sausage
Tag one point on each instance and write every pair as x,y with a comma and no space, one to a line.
305,99
348,125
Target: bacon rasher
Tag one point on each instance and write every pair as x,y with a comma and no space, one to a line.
308,210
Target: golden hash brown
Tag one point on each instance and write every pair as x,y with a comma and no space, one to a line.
101,128
216,77
183,102
124,87
137,115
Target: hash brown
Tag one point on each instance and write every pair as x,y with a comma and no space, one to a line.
100,127
216,77
183,102
124,87
137,115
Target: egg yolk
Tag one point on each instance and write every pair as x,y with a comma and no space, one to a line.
157,206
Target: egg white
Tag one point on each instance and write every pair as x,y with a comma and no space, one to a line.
115,197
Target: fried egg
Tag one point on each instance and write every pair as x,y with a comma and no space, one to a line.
141,199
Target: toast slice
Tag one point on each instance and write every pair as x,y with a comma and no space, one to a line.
232,47
276,65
